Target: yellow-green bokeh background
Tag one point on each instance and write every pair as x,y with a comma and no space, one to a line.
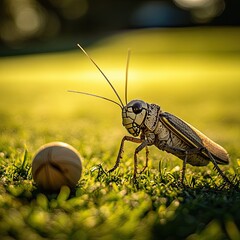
193,73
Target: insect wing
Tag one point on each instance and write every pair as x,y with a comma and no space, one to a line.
181,129
193,137
219,153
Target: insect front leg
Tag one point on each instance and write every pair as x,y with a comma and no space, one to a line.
138,149
121,150
146,163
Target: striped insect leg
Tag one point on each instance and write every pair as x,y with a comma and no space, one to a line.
184,169
138,149
146,163
220,172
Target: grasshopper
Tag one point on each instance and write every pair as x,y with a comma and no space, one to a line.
150,125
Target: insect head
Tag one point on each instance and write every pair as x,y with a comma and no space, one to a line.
133,116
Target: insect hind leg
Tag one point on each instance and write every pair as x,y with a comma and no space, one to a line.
216,167
220,172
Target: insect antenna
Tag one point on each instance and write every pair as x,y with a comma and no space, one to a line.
126,77
94,95
122,105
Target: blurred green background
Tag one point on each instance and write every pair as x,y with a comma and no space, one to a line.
193,73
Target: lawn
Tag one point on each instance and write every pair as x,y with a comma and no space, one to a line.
191,73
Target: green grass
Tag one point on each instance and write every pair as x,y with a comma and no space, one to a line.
191,73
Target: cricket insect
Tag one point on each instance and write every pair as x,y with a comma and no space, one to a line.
164,130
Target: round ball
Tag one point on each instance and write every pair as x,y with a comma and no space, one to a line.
56,164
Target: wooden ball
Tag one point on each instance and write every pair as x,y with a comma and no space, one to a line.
56,164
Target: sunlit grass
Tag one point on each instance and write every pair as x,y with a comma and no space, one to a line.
192,73
197,84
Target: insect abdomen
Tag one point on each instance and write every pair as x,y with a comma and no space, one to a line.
193,139
168,141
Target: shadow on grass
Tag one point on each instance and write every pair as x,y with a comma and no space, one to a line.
204,213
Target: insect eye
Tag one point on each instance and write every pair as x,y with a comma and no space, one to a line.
137,107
